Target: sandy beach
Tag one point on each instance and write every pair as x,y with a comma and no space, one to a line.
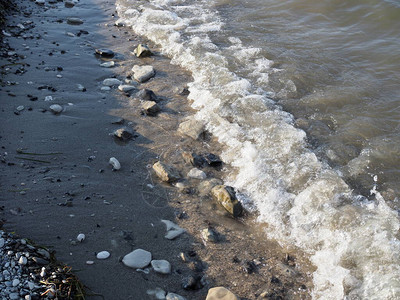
56,180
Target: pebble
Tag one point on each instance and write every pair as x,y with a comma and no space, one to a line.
157,293
146,94
48,98
103,255
220,293
69,4
89,262
150,108
115,163
197,174
105,88
161,266
23,260
81,237
111,82
56,108
173,296
105,52
126,88
81,88
173,230
40,2
15,282
143,73
107,64
20,108
142,51
209,235
74,21
124,134
137,259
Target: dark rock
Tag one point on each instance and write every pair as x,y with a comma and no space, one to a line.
146,94
192,283
194,159
118,121
40,261
213,160
124,134
150,108
105,52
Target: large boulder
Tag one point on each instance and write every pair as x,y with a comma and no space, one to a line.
220,293
225,195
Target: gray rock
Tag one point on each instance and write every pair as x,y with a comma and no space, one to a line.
74,21
124,134
22,260
225,195
103,255
173,230
126,88
150,108
108,64
69,4
166,173
137,259
111,82
105,52
157,293
161,266
40,2
191,128
173,296
43,253
220,293
197,174
13,296
56,108
40,261
2,242
205,187
209,235
143,73
142,51
146,94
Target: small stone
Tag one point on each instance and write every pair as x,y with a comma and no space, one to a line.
23,260
111,82
161,266
197,174
137,259
14,296
115,163
89,262
74,21
173,230
2,242
40,2
56,108
103,255
44,253
173,296
124,134
143,73
213,160
150,108
225,195
220,293
166,173
40,261
28,297
31,285
81,237
81,88
120,23
142,51
205,187
69,4
191,283
20,108
105,52
107,64
157,293
146,94
105,88
118,121
15,282
209,235
191,128
126,88
194,159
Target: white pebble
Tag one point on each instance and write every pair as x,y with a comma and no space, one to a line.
197,174
89,262
56,108
108,64
115,163
22,260
48,98
103,255
161,266
80,237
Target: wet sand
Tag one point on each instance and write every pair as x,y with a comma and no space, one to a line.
72,189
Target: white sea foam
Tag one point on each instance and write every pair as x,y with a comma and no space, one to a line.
351,240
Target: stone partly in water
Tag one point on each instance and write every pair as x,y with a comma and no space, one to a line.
205,187
143,73
192,128
150,108
56,108
197,174
137,259
225,195
173,230
166,173
142,51
220,293
74,21
161,266
111,82
105,52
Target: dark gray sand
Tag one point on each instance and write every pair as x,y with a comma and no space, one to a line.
71,188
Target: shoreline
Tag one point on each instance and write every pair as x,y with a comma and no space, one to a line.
120,211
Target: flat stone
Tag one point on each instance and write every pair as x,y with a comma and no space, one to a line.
146,94
161,266
105,52
205,187
111,82
225,195
143,73
126,88
103,255
74,21
220,293
137,259
108,64
166,173
150,108
142,51
105,88
124,134
56,108
173,296
173,230
197,174
191,128
40,2
20,108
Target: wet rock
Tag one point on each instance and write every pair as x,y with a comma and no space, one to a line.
209,235
191,128
105,52
220,293
111,82
205,187
197,174
103,255
69,4
225,195
192,283
107,64
115,163
124,134
173,296
166,173
161,266
40,261
150,108
194,159
126,88
143,73
142,51
74,21
56,108
137,259
213,160
146,94
173,230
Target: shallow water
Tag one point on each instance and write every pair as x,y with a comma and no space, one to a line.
303,97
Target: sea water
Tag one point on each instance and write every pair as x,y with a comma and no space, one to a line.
304,97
